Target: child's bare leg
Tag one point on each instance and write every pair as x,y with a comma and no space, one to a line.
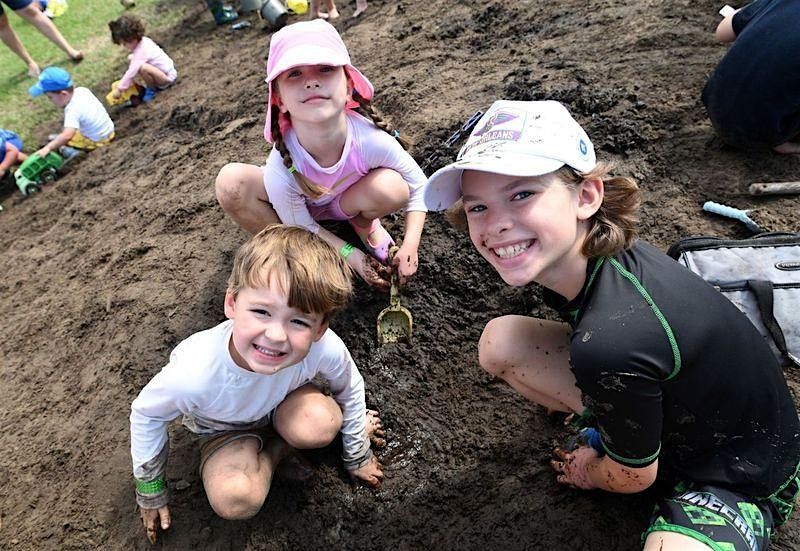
237,477
241,194
380,192
333,13
672,541
152,76
361,7
788,148
307,419
313,10
532,355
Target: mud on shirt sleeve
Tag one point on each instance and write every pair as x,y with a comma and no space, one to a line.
623,392
347,387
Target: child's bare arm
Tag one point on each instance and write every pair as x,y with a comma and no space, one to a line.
407,257
62,139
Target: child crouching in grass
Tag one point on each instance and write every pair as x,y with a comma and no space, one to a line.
245,386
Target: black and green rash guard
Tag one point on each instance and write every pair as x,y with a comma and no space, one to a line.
673,371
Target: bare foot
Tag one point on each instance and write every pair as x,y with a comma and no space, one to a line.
361,7
787,148
333,14
33,70
375,430
319,15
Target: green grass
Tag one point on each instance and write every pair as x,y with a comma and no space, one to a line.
85,26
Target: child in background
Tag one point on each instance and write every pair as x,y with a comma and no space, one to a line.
333,13
245,386
87,125
674,379
147,60
10,151
333,156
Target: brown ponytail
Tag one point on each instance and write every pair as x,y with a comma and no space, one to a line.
613,228
366,109
309,188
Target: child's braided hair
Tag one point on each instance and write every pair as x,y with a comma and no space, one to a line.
367,110
309,188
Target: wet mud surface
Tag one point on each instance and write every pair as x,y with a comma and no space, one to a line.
107,269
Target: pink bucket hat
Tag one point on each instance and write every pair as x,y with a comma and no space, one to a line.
309,43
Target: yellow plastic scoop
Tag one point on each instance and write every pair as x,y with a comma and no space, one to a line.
394,322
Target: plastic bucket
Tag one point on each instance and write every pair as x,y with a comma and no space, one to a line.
275,12
250,5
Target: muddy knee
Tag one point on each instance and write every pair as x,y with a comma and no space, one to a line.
493,346
235,496
314,426
229,186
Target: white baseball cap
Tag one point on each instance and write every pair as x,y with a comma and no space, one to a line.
515,138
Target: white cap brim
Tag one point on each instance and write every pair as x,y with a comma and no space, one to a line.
444,186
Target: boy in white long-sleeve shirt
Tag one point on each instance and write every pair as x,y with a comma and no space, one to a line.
245,386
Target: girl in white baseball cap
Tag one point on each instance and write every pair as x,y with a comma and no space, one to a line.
667,377
333,156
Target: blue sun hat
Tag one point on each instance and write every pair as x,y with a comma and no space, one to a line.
515,138
51,79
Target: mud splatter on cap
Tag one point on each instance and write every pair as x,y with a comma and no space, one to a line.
515,138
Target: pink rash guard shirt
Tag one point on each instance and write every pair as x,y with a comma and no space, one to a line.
366,147
147,51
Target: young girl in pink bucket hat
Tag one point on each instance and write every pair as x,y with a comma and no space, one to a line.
333,156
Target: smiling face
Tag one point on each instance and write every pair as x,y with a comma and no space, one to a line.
312,93
269,335
530,229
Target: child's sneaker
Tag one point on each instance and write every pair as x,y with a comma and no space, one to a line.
222,14
379,248
148,94
68,152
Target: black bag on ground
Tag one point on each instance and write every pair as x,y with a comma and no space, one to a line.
760,275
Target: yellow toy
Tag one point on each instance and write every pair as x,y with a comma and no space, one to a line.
132,95
297,7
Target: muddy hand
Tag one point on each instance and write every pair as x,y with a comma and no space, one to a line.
371,473
573,467
374,273
406,263
375,430
151,518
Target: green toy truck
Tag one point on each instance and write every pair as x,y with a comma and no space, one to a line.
34,172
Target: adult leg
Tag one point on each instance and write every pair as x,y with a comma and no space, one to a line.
240,192
10,39
307,419
361,7
333,13
237,476
532,355
672,541
49,30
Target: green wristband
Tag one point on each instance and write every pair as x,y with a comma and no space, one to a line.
152,487
346,249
